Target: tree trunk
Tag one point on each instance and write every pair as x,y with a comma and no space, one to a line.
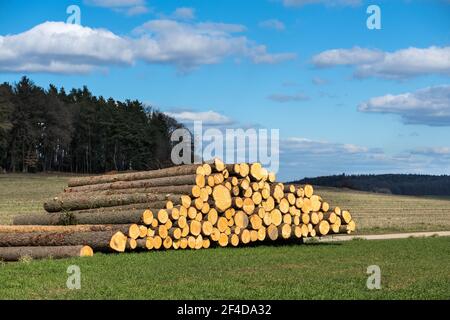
90,202
167,172
18,253
62,229
182,189
74,218
98,241
191,179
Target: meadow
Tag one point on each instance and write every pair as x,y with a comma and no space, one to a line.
413,268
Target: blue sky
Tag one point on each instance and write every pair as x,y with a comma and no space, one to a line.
345,98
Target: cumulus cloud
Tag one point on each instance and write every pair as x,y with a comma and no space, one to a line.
272,24
207,117
67,48
62,48
130,7
283,98
429,106
299,3
398,64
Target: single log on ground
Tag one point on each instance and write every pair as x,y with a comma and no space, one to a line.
105,241
18,253
90,202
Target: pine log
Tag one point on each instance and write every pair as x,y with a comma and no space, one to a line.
18,253
90,202
55,219
191,179
98,241
62,229
167,172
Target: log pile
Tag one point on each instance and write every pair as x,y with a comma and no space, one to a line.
184,207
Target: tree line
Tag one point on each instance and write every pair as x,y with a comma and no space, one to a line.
402,184
52,130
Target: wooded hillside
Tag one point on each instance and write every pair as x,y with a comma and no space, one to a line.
54,130
401,184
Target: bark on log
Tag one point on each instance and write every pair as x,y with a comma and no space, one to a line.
18,253
91,202
191,179
71,218
181,189
98,241
167,172
63,229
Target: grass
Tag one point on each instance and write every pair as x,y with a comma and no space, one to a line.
410,269
25,193
374,213
380,213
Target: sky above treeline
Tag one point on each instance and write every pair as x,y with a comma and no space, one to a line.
346,98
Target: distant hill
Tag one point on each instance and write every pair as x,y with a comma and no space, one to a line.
401,184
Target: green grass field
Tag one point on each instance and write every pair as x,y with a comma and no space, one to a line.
374,213
410,269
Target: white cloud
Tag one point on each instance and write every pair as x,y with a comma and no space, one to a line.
207,117
429,106
62,48
282,98
398,64
184,13
67,48
272,24
299,3
130,7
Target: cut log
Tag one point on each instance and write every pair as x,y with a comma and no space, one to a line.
167,172
323,228
241,220
99,241
285,230
262,233
309,190
191,179
234,240
256,171
19,253
61,229
276,217
223,240
248,205
222,198
346,216
272,232
89,202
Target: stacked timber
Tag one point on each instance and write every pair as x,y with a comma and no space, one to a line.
184,207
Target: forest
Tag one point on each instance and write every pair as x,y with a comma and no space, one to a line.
54,130
401,184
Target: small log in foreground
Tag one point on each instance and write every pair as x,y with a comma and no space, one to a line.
18,253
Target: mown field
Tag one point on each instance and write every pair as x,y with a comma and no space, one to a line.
410,269
414,268
374,213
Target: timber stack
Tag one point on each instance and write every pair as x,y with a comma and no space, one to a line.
184,207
